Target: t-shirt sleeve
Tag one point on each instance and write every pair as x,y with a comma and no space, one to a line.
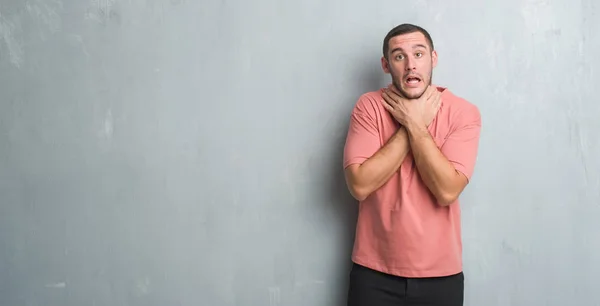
461,146
362,140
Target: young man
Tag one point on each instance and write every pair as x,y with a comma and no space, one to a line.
410,152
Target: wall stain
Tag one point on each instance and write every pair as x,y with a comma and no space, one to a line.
42,16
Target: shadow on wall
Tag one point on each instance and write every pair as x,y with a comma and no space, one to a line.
344,207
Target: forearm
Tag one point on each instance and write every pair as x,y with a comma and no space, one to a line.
364,179
438,174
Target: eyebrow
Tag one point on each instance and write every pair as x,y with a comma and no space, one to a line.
414,47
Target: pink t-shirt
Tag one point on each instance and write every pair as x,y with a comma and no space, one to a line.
401,230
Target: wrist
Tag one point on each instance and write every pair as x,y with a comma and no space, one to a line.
401,131
416,130
400,136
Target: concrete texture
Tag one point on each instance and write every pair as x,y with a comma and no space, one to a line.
179,152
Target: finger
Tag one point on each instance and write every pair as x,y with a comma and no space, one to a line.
387,100
426,96
387,106
386,96
438,101
393,95
397,94
435,104
384,93
431,90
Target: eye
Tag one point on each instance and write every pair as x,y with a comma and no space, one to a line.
419,54
399,57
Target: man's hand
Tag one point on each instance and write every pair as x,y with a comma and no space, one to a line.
413,113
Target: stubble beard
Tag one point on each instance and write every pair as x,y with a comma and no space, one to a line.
396,81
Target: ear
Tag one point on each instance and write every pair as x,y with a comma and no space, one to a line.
385,65
434,59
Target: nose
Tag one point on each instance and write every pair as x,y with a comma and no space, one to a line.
410,64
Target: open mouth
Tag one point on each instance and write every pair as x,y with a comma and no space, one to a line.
412,80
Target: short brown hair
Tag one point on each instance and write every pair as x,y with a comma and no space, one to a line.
402,29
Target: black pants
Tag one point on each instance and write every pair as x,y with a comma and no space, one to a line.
372,288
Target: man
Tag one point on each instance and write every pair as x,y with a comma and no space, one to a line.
410,152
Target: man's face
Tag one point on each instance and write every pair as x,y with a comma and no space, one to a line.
410,63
